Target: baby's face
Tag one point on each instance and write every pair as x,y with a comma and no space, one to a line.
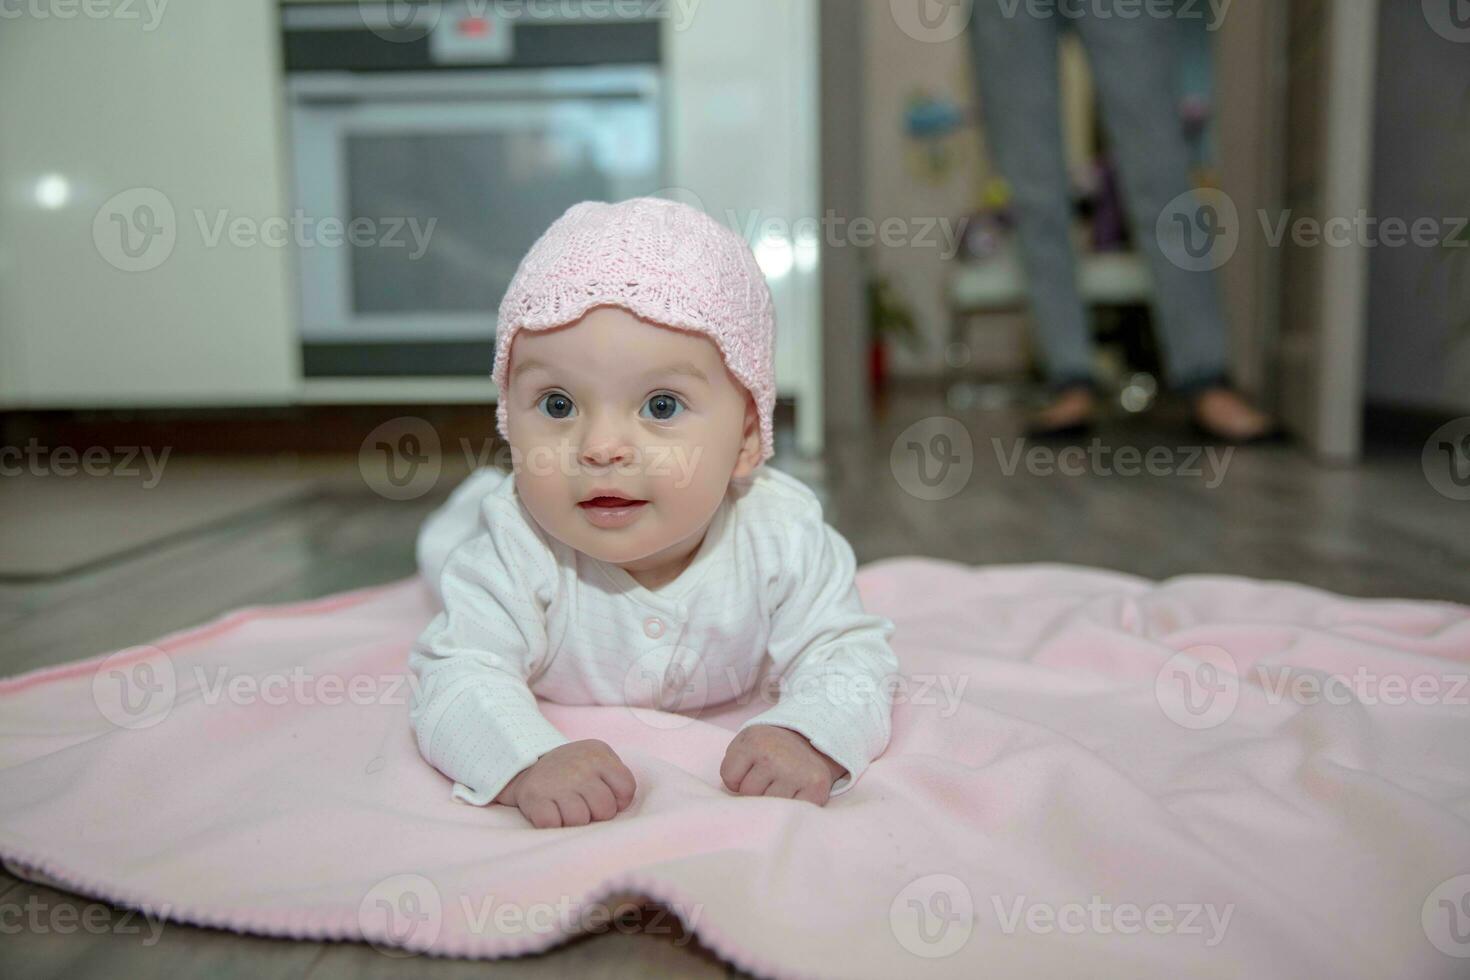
625,434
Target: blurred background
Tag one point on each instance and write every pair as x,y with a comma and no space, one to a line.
251,254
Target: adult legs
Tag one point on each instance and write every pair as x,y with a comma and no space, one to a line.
1134,61
1135,65
1016,71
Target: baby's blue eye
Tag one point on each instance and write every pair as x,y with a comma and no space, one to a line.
556,405
662,407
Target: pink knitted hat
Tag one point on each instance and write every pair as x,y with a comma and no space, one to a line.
662,261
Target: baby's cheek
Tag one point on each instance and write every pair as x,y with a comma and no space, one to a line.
691,488
544,491
702,464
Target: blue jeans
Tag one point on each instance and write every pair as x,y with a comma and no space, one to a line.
1134,63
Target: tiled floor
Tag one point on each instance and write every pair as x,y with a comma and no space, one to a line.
1378,529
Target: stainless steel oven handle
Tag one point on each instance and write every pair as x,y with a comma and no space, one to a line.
622,82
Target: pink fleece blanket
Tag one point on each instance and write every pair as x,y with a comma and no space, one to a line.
1090,774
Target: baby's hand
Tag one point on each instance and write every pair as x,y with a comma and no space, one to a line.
572,785
767,760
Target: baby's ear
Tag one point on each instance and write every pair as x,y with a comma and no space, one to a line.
750,441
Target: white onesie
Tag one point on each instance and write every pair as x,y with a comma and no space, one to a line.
769,593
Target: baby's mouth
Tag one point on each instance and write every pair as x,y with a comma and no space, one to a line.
610,503
610,512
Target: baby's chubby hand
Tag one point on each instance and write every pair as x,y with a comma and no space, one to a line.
767,760
571,786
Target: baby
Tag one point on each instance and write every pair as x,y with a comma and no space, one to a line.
641,554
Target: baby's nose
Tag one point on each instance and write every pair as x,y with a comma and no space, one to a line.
604,455
604,444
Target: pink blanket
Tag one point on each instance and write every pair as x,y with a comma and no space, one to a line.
1090,774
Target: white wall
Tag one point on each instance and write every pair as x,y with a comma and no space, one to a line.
899,65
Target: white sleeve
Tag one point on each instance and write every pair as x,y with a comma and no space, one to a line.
473,711
453,523
833,660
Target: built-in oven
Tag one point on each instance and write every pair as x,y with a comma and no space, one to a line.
429,152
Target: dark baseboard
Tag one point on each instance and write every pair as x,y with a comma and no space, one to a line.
1397,426
251,429
243,430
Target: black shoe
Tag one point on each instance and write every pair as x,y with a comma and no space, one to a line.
1059,433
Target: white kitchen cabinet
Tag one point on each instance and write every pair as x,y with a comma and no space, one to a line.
145,250
743,132
127,301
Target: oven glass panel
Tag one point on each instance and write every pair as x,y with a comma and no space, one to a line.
464,205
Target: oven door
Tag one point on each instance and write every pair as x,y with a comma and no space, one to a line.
417,194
